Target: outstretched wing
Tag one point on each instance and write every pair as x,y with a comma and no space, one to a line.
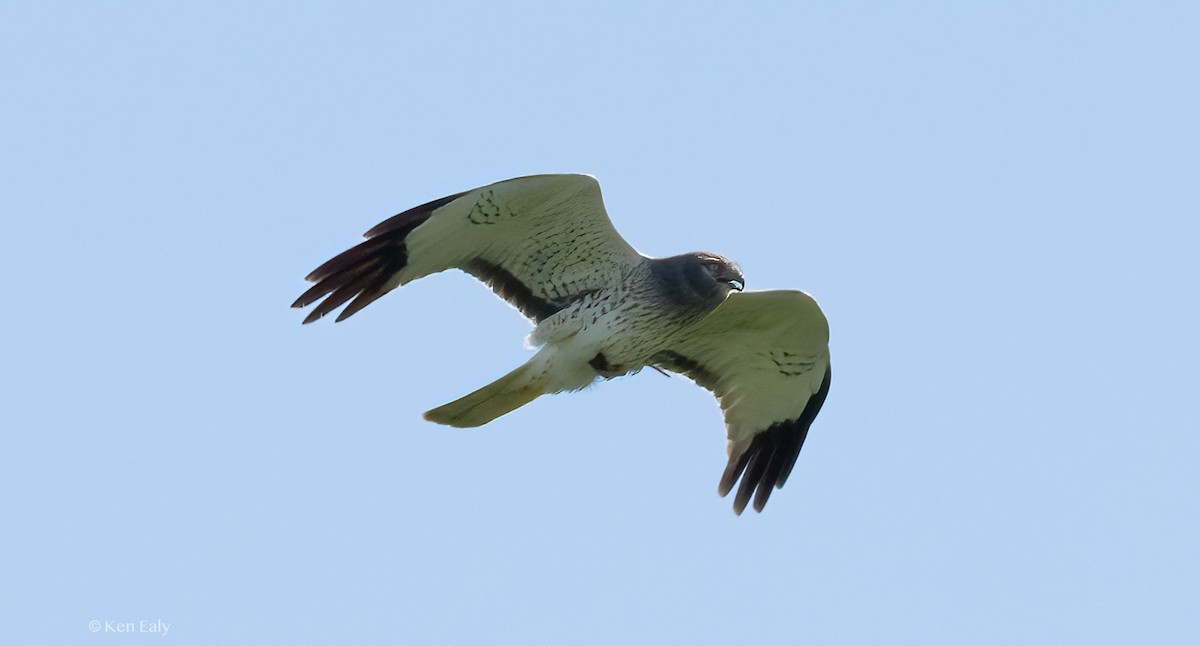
539,242
765,355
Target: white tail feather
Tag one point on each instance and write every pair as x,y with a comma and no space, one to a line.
500,397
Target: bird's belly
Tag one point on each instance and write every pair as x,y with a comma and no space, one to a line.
623,341
608,334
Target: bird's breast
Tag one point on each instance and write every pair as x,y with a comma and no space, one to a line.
618,333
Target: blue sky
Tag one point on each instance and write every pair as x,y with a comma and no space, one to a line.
996,205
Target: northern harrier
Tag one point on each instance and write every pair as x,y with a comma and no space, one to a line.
602,310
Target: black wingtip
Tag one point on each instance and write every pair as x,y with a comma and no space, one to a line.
363,271
733,471
766,464
411,218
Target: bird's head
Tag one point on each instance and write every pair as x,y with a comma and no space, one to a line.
697,281
724,271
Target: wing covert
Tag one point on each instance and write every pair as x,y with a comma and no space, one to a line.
765,355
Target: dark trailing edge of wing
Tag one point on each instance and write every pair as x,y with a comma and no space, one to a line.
504,283
363,271
768,462
676,362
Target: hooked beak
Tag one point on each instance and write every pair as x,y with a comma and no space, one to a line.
737,283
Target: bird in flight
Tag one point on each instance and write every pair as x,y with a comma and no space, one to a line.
601,310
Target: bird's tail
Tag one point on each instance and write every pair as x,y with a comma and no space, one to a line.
500,397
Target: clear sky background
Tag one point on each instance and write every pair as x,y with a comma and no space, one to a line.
995,205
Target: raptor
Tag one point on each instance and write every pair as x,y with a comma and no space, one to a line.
602,310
